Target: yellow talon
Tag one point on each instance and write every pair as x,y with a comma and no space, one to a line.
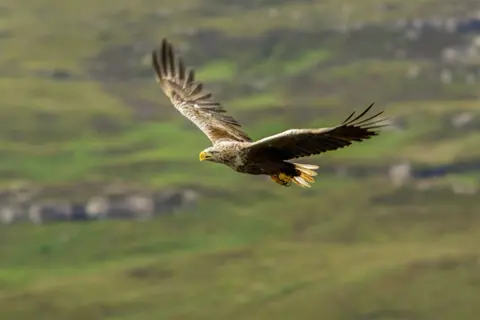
282,179
303,178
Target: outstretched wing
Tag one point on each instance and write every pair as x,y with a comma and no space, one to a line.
296,143
188,97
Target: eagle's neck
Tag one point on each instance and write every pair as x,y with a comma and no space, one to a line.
230,153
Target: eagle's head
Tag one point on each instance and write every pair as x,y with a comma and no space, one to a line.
210,154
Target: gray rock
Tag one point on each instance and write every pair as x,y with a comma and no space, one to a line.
400,174
50,212
463,120
120,206
11,213
97,208
170,201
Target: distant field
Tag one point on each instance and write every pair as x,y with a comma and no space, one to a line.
253,258
79,104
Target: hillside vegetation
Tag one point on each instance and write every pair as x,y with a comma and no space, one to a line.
79,104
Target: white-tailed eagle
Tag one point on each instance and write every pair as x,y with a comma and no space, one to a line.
232,147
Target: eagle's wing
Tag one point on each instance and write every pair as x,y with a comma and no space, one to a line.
188,97
296,143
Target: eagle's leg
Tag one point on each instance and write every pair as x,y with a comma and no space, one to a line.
282,179
300,174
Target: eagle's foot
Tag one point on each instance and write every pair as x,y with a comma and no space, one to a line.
304,177
282,179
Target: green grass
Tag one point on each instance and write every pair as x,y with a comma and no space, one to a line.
245,262
262,251
217,71
259,101
308,60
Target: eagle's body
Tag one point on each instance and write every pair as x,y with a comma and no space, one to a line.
232,147
239,157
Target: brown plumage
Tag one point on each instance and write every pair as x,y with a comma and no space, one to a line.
231,146
189,98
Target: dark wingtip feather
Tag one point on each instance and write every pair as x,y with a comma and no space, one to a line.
181,71
155,59
360,115
155,64
346,121
163,57
362,126
365,123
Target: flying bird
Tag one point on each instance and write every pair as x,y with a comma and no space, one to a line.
231,145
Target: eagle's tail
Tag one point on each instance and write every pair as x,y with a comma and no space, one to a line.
305,174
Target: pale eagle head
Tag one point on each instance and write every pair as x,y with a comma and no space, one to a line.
211,154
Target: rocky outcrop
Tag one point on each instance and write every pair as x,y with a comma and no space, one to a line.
23,203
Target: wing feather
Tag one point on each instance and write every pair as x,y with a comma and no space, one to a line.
189,98
296,143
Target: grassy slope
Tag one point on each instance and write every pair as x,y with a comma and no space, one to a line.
251,256
255,260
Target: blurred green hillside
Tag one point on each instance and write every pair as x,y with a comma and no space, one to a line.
79,105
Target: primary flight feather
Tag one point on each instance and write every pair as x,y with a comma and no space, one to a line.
232,147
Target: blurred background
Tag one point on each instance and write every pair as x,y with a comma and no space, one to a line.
106,212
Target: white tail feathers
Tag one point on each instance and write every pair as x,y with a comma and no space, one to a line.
306,174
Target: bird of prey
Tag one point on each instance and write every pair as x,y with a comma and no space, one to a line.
232,147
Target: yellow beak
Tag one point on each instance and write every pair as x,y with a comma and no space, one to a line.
204,156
